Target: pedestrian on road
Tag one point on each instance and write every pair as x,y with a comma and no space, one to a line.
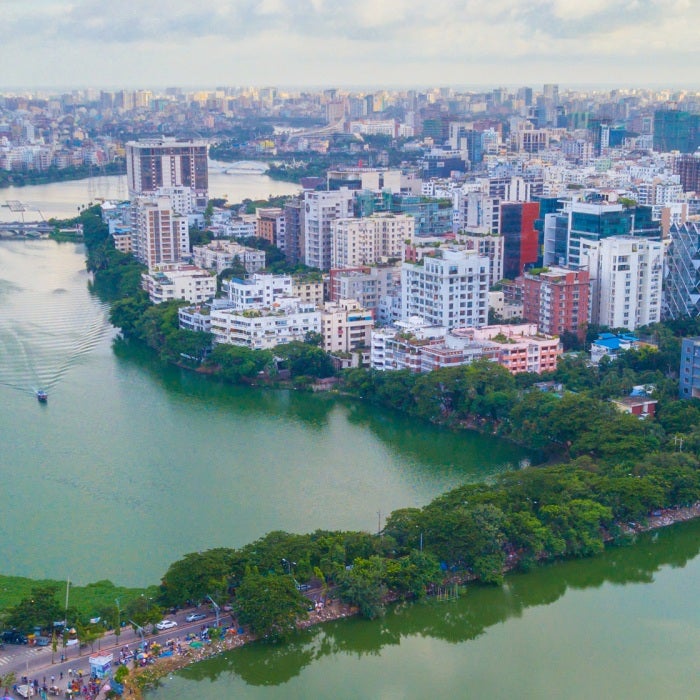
60,675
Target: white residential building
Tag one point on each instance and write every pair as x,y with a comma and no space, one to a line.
320,209
626,275
488,245
400,347
179,281
220,255
448,289
356,242
262,329
160,235
258,291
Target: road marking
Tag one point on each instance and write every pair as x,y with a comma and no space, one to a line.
5,660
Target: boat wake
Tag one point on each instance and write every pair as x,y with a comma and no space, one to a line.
58,326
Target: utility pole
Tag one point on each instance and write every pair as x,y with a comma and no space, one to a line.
379,523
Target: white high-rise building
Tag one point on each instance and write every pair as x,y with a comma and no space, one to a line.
490,245
320,209
357,242
626,275
448,289
160,235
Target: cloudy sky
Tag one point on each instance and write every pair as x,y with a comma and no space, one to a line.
154,43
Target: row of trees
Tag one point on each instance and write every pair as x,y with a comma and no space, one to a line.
43,607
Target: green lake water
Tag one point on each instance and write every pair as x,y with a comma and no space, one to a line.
132,464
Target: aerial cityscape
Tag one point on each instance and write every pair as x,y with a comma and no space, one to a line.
350,352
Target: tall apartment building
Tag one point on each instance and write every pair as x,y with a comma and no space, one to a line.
520,239
593,222
345,326
676,130
557,300
270,224
488,245
167,162
357,242
320,209
293,230
626,275
688,169
682,293
160,235
448,289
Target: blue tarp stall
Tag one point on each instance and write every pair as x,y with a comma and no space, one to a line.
100,665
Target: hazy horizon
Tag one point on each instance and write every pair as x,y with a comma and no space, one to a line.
305,43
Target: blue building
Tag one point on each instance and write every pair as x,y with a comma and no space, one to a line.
690,368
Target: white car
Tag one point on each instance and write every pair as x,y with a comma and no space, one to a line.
166,624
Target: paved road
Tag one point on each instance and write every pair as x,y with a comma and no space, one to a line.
35,662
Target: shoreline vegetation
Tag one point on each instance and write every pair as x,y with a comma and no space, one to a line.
23,178
606,475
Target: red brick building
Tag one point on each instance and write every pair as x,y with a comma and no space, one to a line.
557,300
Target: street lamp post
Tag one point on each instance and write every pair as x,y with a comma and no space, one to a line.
216,609
118,629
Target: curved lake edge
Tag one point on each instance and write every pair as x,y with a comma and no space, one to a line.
147,678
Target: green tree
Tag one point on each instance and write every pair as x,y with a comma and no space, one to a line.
7,680
39,609
365,586
198,575
270,605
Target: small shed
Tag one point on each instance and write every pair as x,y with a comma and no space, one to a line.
100,665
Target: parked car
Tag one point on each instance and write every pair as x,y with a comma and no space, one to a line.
193,617
303,587
42,641
166,624
14,637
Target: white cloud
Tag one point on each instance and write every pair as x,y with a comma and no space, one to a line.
353,40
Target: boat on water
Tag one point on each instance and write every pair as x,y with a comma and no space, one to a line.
41,396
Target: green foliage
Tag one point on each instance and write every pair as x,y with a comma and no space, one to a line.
39,609
270,605
365,586
305,360
198,575
238,364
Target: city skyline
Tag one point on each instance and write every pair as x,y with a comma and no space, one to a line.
51,43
